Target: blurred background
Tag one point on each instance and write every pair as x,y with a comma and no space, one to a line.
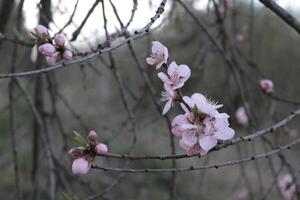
87,96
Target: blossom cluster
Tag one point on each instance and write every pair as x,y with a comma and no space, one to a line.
85,155
201,125
287,187
53,48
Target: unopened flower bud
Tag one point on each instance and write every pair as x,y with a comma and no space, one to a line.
92,137
240,38
80,166
41,31
101,149
241,116
54,58
67,55
47,49
266,85
59,40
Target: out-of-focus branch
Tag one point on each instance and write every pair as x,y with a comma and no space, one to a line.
70,19
283,14
78,30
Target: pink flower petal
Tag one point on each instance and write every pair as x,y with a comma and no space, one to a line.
184,71
172,68
167,107
163,77
225,134
189,138
150,61
207,142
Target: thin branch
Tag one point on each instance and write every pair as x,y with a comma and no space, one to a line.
203,167
283,14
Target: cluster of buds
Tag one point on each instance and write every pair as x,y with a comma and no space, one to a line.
85,154
201,126
52,47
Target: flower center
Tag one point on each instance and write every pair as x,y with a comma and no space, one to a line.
175,78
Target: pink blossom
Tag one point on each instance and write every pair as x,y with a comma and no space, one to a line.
186,118
201,102
169,96
54,58
101,148
159,55
67,55
47,49
80,166
241,116
266,85
221,8
177,75
293,134
287,187
200,129
41,31
59,40
240,38
242,195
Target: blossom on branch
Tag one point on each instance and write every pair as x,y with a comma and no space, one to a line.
176,76
53,48
266,86
159,55
201,128
85,154
169,96
287,187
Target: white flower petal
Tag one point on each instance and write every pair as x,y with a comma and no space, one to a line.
207,142
163,77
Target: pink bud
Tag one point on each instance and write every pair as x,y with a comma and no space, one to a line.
54,58
293,134
242,195
80,166
92,137
67,55
59,40
241,116
221,8
240,38
101,148
41,31
47,49
266,85
76,152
